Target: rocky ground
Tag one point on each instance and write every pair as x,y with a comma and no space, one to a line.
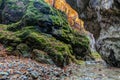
19,68
14,68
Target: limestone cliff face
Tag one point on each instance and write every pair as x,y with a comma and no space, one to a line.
72,15
102,18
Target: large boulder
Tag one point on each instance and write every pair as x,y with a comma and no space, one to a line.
32,28
102,18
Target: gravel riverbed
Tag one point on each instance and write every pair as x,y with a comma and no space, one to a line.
13,68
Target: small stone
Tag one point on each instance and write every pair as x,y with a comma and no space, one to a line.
34,74
56,73
10,71
39,78
4,78
4,73
15,76
29,69
10,65
23,77
100,69
18,72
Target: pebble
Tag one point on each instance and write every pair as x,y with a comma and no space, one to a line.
18,72
10,65
10,71
4,73
27,69
34,74
23,77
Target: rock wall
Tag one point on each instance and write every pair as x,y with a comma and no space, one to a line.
102,18
108,43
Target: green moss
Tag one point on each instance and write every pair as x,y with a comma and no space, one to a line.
55,49
7,36
0,2
14,26
96,55
41,56
46,29
9,48
80,62
58,51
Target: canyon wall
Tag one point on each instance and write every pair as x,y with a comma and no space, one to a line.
102,18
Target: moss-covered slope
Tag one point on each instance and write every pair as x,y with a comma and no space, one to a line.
32,28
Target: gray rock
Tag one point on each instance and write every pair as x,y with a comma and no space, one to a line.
11,14
101,4
30,69
23,77
102,19
34,74
108,43
18,72
79,5
4,73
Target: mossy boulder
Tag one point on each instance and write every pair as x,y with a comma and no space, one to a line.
41,56
56,50
42,31
23,49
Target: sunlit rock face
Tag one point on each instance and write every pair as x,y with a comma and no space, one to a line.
72,15
102,18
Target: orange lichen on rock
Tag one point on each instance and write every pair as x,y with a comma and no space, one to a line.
72,15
